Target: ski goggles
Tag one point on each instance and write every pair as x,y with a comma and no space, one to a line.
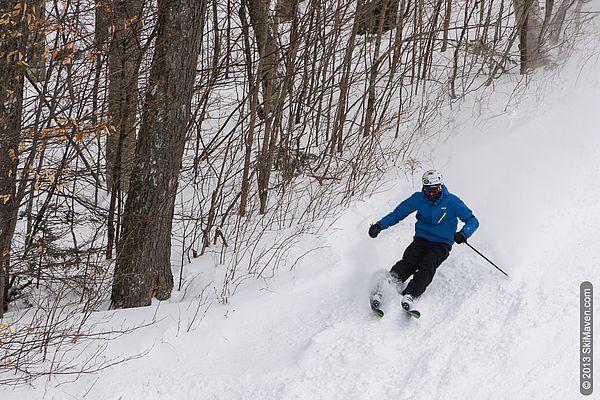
432,190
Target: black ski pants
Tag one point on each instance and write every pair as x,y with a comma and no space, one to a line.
421,259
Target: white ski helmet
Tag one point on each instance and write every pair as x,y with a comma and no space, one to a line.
432,177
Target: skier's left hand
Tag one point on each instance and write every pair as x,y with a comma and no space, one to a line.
374,230
460,237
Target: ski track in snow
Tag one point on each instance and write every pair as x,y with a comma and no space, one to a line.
481,336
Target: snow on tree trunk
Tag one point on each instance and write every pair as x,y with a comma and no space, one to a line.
143,268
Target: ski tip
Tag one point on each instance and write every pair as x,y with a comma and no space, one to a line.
415,314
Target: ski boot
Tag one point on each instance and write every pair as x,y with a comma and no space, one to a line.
407,302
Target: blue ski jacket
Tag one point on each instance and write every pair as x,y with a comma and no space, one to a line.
436,221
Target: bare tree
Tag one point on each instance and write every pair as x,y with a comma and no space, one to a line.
297,107
285,10
143,268
529,22
376,15
125,56
270,111
555,21
13,39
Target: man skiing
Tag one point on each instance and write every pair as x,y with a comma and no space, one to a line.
435,232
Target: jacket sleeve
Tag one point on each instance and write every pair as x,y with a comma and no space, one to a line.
402,211
465,214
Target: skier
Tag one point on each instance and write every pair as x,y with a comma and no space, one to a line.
435,232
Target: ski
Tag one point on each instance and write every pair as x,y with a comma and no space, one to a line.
376,307
413,313
377,311
381,282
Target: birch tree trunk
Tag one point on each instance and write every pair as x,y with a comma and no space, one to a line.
143,268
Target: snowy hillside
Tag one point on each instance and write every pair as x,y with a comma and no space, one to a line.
530,174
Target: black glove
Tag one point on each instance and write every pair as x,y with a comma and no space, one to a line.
374,230
460,237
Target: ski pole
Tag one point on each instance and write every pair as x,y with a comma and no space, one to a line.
487,259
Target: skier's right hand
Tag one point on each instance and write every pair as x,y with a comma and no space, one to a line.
460,237
374,230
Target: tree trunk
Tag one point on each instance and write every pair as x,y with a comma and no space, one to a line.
285,10
524,45
447,18
13,39
125,55
548,14
253,99
143,267
556,24
37,43
529,25
267,73
101,24
373,16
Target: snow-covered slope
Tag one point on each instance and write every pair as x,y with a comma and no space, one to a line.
531,174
